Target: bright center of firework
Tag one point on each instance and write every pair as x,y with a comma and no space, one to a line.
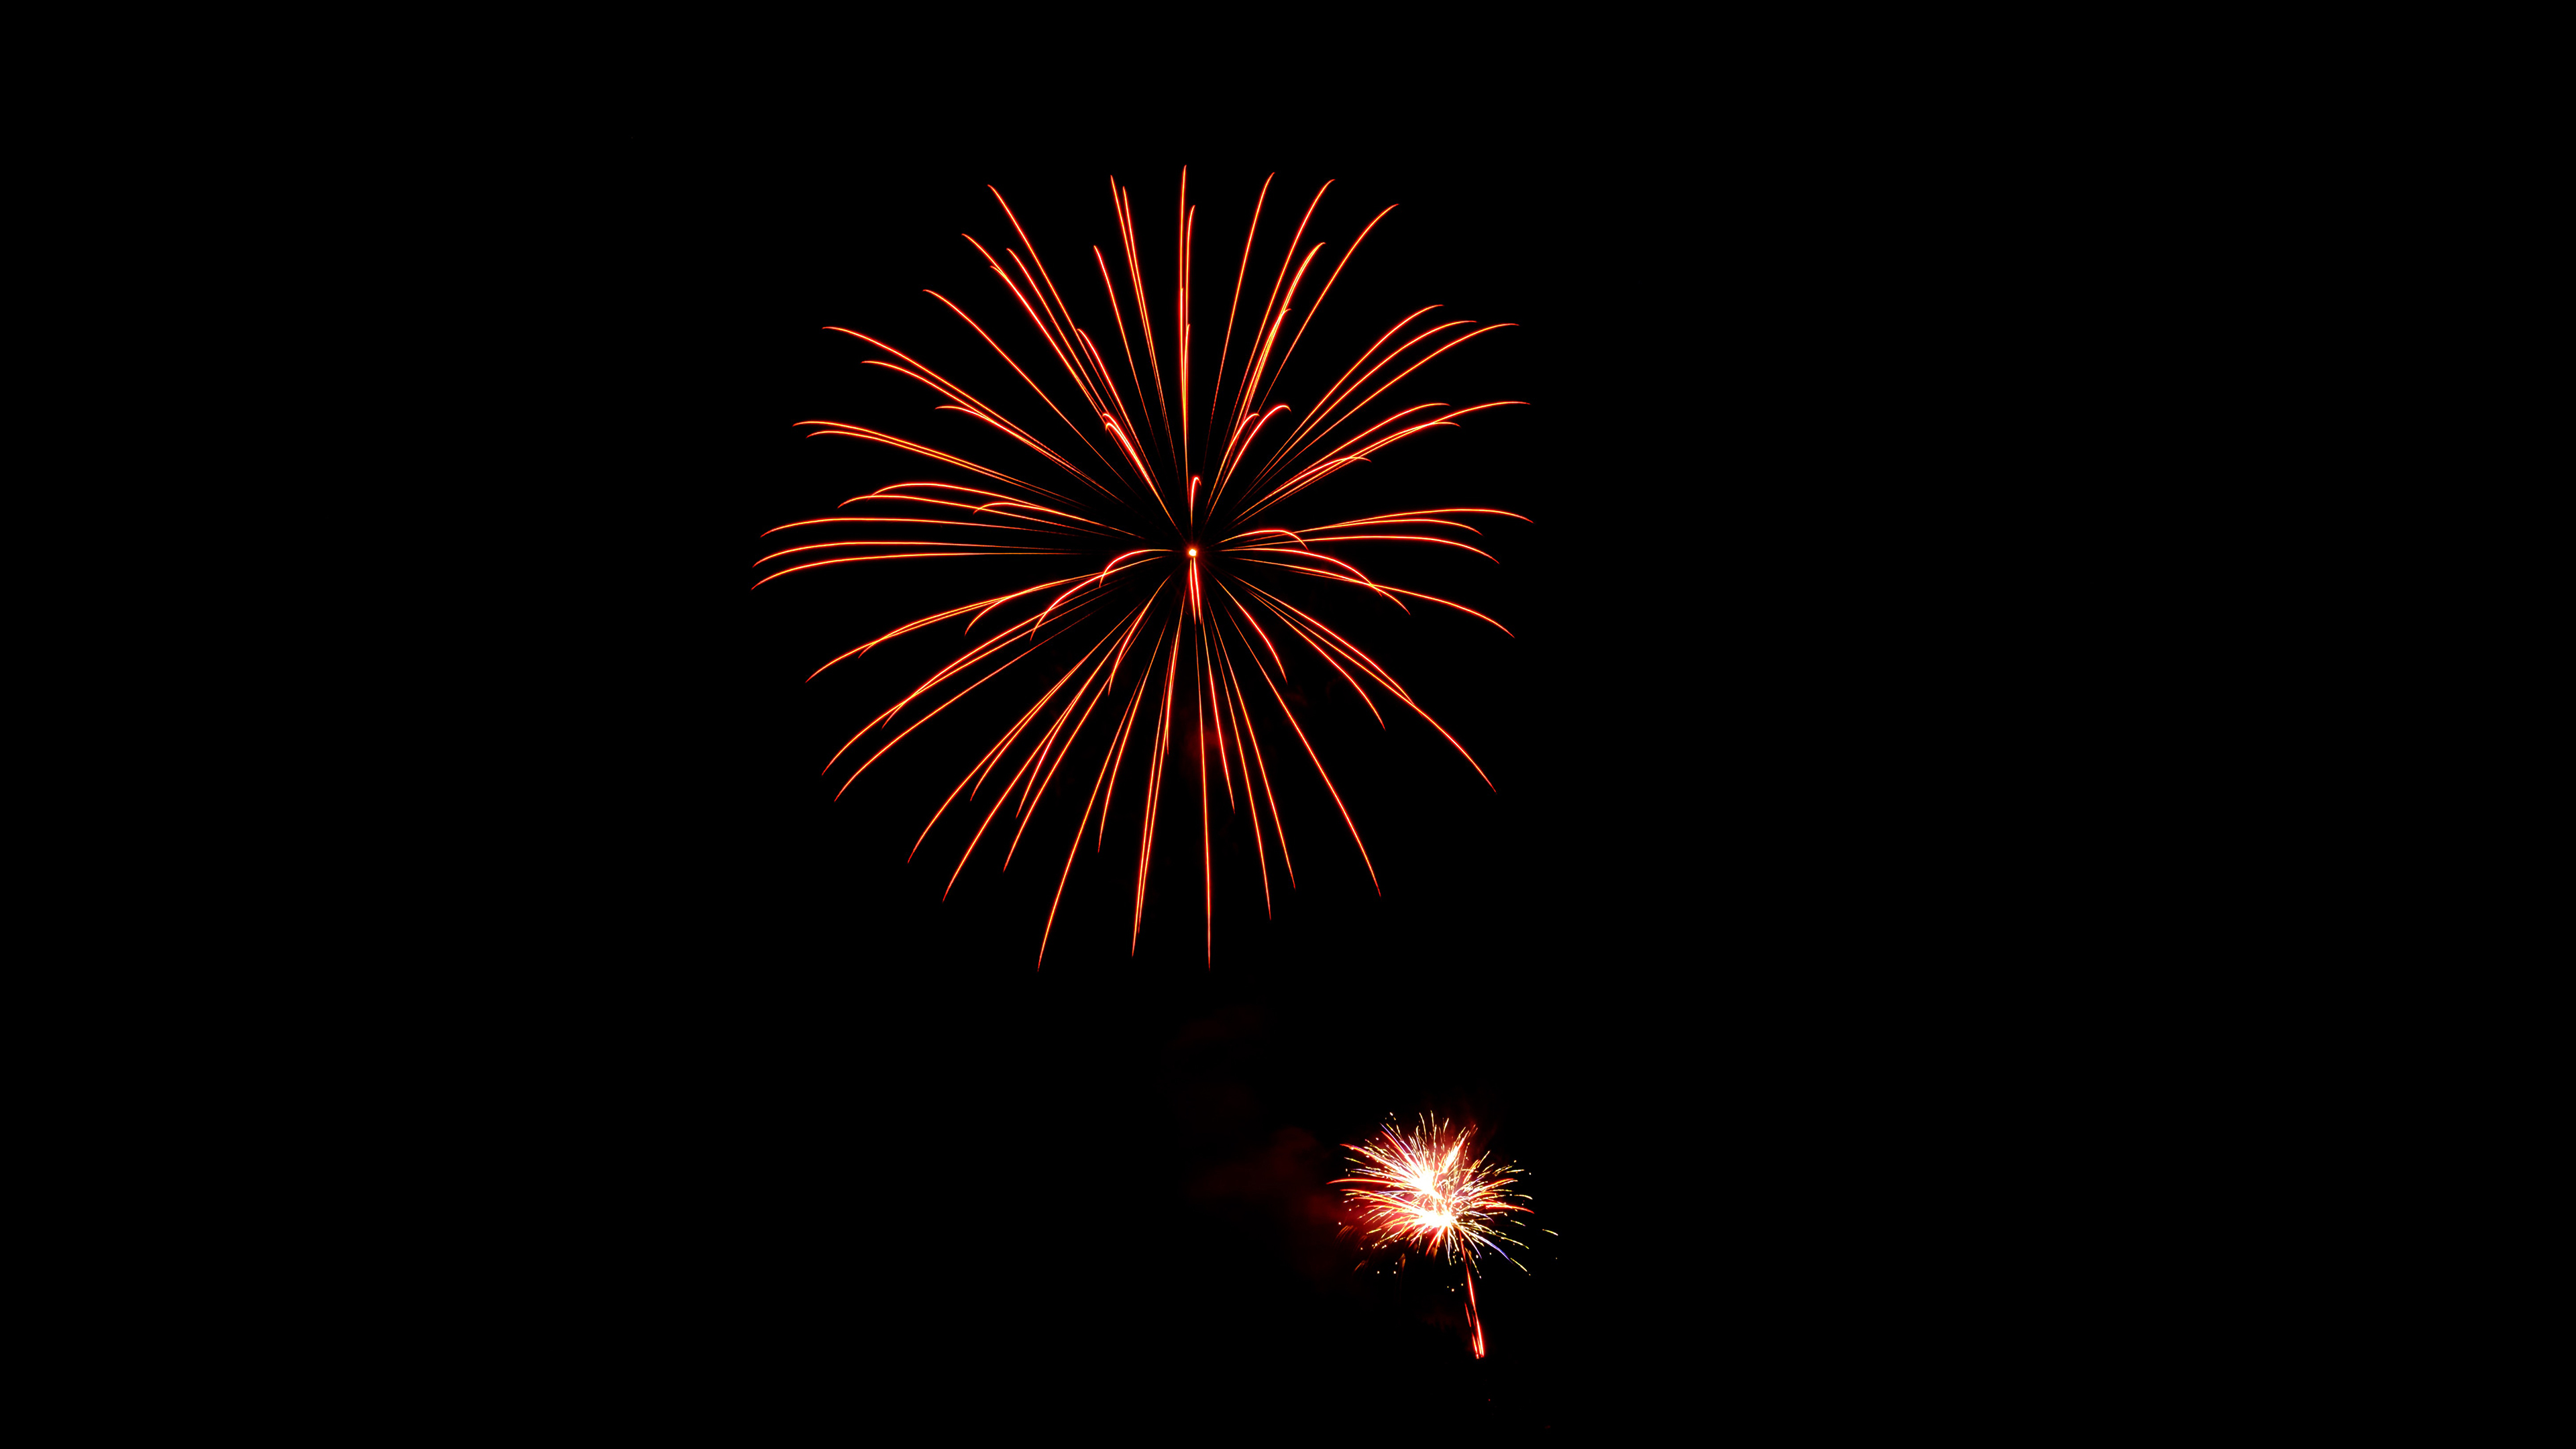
1194,553
1418,1190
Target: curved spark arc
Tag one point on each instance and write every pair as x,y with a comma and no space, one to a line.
1418,1190
1203,607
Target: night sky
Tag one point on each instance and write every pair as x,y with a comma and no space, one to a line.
863,1164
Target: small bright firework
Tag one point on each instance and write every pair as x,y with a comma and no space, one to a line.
1419,1191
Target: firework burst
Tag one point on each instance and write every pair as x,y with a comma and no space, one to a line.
1166,522
1420,1192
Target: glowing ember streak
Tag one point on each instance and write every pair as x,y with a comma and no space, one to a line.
1155,599
1419,1191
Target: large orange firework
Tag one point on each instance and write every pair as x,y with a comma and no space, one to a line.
1163,524
1421,1192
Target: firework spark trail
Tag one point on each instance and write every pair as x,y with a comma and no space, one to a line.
1419,1191
1201,558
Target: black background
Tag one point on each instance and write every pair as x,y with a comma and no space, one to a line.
831,1149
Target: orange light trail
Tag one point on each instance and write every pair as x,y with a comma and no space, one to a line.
1201,561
